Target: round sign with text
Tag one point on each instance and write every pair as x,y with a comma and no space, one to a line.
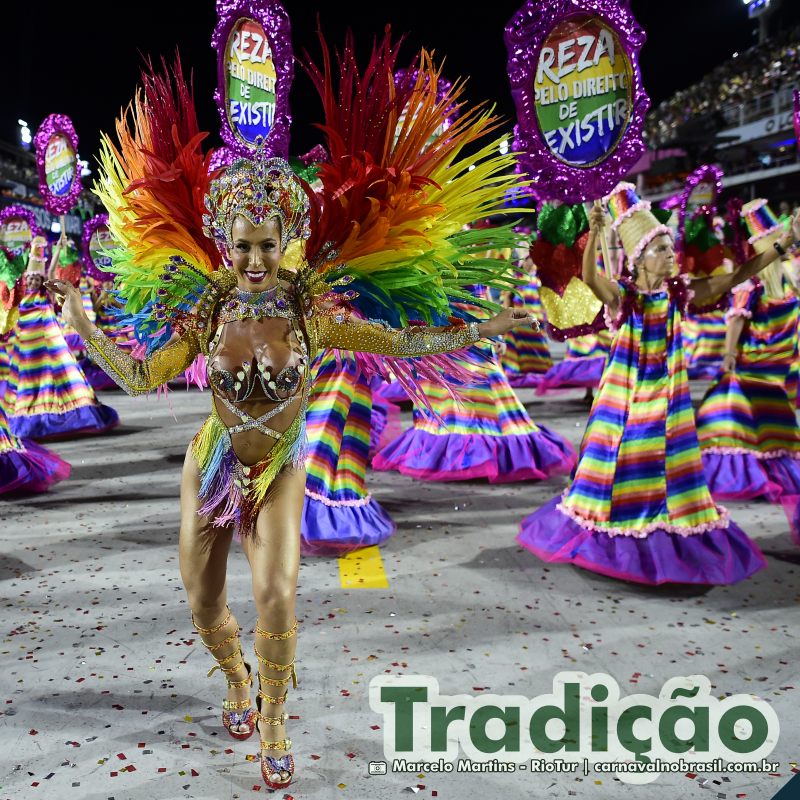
15,234
60,165
582,89
251,81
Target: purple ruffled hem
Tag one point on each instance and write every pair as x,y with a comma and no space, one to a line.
573,373
785,472
460,457
75,343
524,380
791,505
34,469
739,476
392,392
334,530
716,557
84,421
98,379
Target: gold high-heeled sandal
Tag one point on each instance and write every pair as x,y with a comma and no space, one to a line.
234,713
283,766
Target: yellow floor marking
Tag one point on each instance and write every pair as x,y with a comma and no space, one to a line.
363,569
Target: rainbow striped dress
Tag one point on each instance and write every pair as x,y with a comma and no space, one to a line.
704,343
747,423
26,466
339,514
47,395
527,356
638,507
5,344
582,366
487,434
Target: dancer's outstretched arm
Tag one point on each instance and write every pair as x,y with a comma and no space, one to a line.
707,289
134,377
369,337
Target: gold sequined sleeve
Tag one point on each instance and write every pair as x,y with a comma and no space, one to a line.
370,337
139,377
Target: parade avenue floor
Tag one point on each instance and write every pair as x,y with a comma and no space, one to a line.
104,687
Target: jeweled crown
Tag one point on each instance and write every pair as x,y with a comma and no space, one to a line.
258,190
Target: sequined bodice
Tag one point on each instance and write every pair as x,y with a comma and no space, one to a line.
257,359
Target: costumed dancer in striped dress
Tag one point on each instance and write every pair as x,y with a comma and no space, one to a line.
638,507
47,396
111,324
339,514
747,425
485,433
526,357
12,288
791,269
24,465
5,344
703,329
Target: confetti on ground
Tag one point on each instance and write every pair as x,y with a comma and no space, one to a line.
100,654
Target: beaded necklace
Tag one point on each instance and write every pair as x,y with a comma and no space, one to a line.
273,302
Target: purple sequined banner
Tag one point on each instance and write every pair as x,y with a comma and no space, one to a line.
255,67
17,227
95,238
575,79
57,159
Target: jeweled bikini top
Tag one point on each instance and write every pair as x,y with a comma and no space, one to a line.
256,353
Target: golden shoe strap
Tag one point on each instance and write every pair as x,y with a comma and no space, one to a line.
208,631
213,647
280,636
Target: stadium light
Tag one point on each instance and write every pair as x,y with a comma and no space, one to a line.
84,165
756,7
55,226
503,147
25,137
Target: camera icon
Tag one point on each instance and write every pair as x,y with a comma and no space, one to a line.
377,768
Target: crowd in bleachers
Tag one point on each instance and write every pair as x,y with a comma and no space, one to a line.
761,70
12,170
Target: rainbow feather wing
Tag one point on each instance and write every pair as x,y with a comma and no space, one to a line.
397,195
153,184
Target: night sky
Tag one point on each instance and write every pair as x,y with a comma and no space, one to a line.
85,63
